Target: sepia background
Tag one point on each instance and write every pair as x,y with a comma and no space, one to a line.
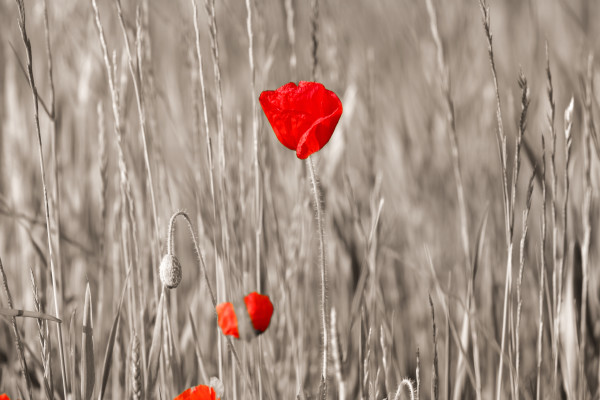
412,185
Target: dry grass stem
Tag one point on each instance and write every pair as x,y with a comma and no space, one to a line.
34,92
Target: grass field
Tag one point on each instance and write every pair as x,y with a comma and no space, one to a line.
459,198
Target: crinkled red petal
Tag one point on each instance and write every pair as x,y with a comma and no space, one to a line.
260,310
200,392
302,116
227,319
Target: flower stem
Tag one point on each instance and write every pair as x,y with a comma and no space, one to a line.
323,305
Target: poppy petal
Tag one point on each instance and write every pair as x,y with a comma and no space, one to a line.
4,397
260,310
245,327
227,319
302,116
200,392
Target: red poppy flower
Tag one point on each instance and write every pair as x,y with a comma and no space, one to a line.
4,397
246,319
303,116
200,392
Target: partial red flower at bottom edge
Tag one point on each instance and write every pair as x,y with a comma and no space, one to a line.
245,318
303,116
200,392
4,397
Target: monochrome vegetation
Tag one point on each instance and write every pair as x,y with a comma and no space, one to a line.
441,245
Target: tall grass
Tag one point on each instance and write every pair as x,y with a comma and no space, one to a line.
456,204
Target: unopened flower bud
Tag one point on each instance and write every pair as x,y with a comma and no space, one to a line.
170,271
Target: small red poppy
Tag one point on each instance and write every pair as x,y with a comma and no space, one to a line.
200,392
4,397
245,320
303,116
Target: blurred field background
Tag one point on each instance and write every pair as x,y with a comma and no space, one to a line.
388,189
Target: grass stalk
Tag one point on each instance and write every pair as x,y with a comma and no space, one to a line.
450,119
56,187
520,278
540,338
435,386
136,78
257,198
314,32
45,353
291,34
586,220
204,107
34,93
568,120
18,342
508,196
136,372
553,195
337,358
87,349
212,25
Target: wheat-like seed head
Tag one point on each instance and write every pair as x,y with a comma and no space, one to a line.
136,376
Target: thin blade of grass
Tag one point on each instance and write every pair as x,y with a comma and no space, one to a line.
87,349
111,343
74,389
480,242
199,356
155,347
10,312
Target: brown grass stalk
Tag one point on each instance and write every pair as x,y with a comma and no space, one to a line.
17,335
88,371
559,269
540,338
435,386
553,214
125,186
508,196
136,371
212,25
337,358
520,278
34,92
204,108
54,133
314,33
444,72
257,198
136,78
45,354
291,34
586,219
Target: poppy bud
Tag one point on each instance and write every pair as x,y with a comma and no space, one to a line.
170,271
245,318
